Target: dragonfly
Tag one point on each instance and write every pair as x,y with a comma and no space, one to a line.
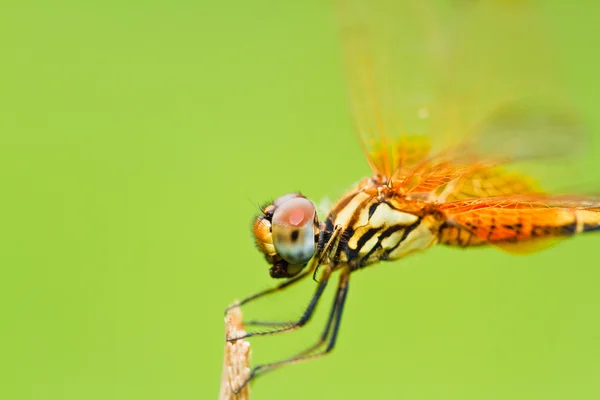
456,105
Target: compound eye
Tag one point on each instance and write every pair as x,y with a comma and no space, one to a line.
293,228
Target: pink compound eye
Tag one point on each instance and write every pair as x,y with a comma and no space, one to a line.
293,228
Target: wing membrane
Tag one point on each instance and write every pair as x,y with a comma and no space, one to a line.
389,78
445,89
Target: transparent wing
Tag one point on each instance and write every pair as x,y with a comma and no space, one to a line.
443,89
391,73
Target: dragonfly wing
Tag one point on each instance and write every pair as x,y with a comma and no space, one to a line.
522,224
390,56
437,85
486,182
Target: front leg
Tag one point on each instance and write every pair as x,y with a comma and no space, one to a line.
306,316
272,290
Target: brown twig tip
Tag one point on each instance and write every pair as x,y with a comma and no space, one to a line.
236,362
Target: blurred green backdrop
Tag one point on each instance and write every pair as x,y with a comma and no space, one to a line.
136,140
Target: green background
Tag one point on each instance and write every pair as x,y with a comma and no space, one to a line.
136,140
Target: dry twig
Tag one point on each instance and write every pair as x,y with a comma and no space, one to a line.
236,362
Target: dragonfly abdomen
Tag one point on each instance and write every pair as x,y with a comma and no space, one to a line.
455,235
516,226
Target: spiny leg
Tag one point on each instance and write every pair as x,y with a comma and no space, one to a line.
305,316
274,289
270,323
334,317
334,311
330,248
334,320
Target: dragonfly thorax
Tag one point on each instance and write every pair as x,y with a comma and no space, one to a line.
380,223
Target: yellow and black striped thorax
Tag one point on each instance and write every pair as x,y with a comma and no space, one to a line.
378,224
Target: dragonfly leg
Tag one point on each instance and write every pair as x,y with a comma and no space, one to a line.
335,310
333,325
281,323
306,316
274,289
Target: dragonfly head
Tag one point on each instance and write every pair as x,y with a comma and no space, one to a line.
287,233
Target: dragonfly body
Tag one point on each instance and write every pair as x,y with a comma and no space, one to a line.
381,220
379,224
448,113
